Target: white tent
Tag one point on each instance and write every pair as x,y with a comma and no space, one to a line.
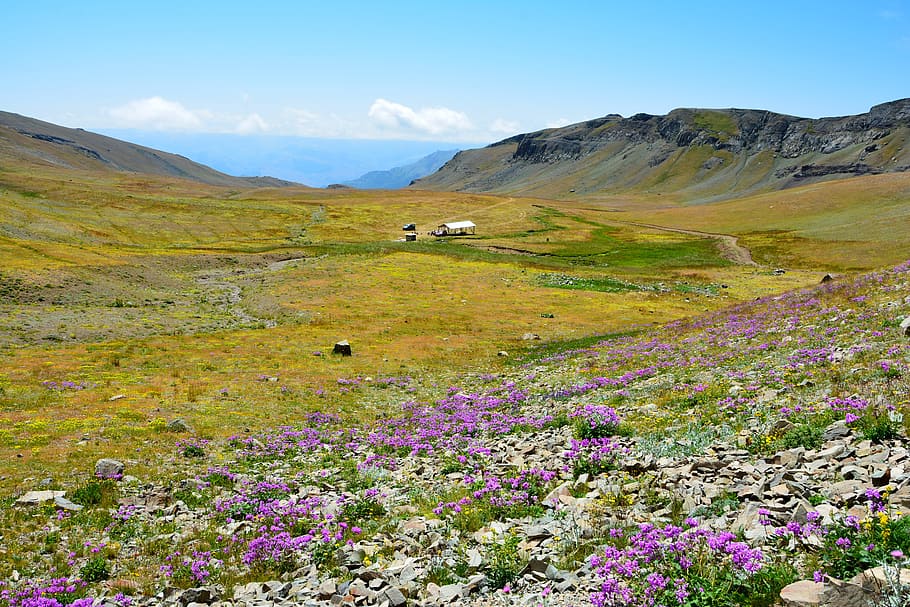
453,228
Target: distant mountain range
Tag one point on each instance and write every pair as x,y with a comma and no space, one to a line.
691,154
400,177
313,161
24,139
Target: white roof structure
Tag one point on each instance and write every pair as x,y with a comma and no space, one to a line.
457,225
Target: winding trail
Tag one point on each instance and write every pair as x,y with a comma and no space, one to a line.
729,245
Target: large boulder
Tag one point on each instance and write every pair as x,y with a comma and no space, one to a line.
830,593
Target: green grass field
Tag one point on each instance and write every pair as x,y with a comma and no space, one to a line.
159,298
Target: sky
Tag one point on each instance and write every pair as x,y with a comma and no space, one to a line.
449,71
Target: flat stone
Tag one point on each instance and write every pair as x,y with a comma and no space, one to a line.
474,582
804,593
34,498
833,593
65,504
847,488
450,592
408,574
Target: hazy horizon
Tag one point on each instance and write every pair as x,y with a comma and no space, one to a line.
312,161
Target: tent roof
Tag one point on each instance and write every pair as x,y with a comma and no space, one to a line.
454,225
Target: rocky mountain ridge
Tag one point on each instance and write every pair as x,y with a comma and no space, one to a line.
701,154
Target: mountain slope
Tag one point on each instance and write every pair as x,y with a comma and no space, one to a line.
400,177
32,141
694,154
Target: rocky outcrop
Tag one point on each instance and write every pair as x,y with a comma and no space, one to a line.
616,153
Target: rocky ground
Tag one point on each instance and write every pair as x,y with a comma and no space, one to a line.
762,444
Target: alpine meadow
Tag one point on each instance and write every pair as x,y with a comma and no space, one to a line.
660,360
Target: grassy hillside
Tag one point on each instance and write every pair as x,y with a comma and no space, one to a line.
39,143
844,224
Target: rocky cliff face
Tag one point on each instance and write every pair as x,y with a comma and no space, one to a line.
700,153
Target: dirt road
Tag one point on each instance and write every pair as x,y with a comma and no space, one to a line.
729,245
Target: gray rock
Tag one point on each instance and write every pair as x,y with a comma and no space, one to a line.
65,504
178,425
395,597
408,574
475,582
326,589
450,592
277,589
109,468
570,583
196,595
536,565
905,326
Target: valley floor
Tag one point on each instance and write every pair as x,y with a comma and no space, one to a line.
572,404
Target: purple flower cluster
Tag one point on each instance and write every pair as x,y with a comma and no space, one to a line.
663,566
593,455
504,496
67,385
192,447
599,418
197,568
57,592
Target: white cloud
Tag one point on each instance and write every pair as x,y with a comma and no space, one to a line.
555,124
252,124
431,121
506,127
304,123
159,114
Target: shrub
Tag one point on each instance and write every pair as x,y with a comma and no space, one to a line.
95,570
805,434
96,493
505,562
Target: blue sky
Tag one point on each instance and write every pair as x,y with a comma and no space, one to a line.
453,71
